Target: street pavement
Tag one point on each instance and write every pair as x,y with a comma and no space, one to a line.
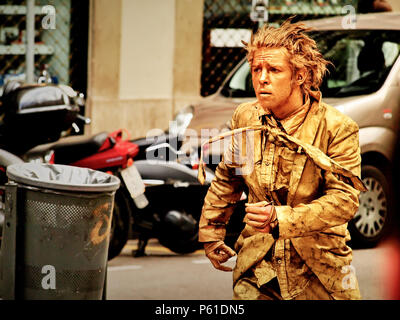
164,275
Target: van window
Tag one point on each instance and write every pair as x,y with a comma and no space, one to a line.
362,60
240,84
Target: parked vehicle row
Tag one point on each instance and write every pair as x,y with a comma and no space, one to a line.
160,196
44,113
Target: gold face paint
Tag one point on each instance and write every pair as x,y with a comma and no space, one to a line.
272,81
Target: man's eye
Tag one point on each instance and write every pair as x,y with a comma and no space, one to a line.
274,70
256,69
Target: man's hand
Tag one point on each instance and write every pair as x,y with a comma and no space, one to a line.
218,252
260,215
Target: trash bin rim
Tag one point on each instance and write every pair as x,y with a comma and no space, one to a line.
59,192
13,174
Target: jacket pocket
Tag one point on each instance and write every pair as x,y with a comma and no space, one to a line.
284,166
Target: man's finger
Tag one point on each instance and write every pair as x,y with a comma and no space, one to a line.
224,258
259,210
266,229
220,257
215,264
214,256
229,251
257,217
211,246
257,225
218,266
225,268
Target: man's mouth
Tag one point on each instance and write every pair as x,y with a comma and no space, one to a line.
265,94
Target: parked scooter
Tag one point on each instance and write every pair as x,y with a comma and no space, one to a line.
176,195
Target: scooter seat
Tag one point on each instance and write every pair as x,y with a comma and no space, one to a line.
71,151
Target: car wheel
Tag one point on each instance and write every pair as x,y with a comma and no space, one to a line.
371,221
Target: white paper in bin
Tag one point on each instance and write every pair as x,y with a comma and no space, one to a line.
135,186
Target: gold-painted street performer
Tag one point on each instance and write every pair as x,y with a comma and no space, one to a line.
302,174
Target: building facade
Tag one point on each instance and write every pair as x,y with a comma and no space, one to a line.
144,62
149,59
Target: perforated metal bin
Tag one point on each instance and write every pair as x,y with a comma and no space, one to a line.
56,232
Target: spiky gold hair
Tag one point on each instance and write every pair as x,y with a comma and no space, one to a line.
303,51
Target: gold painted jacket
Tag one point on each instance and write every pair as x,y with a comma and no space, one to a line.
312,174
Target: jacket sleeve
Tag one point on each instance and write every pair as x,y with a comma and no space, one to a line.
222,196
339,201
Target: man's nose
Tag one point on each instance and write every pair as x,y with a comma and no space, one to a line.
264,78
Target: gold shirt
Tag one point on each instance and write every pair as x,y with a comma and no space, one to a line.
313,205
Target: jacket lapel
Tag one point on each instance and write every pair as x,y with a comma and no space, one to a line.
307,134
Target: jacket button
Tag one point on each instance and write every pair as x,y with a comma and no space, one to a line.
279,260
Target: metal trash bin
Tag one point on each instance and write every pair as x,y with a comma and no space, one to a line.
56,232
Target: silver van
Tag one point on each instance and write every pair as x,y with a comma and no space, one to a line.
365,85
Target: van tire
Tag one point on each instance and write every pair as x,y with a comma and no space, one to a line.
372,219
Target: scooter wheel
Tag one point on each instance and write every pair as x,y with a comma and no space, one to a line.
119,225
178,232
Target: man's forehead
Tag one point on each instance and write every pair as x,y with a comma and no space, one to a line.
271,54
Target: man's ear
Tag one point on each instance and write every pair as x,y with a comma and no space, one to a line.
301,76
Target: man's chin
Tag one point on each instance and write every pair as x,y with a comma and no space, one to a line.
265,102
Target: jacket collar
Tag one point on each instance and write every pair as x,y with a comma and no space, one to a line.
311,122
313,119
